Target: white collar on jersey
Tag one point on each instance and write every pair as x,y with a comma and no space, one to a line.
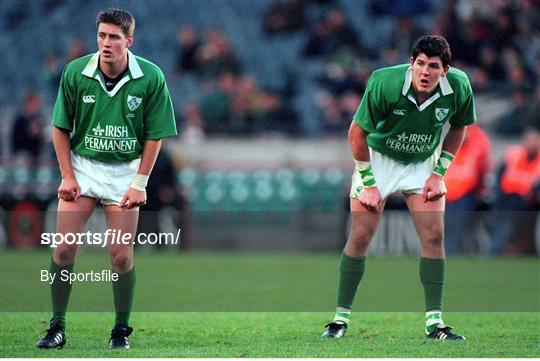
133,66
443,82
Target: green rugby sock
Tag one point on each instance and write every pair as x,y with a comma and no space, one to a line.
351,271
123,291
432,278
60,291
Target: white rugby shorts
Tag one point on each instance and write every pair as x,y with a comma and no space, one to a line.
106,182
392,176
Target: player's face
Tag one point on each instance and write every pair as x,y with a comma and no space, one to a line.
112,43
426,73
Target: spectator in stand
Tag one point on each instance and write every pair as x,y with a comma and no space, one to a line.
331,119
480,80
255,110
315,44
337,112
247,110
503,28
239,106
284,16
470,36
342,73
517,203
344,78
521,114
490,63
216,105
404,35
342,33
52,71
466,185
518,76
27,133
330,34
76,49
193,125
388,57
188,44
278,115
216,56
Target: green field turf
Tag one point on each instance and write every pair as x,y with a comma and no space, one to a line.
185,287
300,282
212,334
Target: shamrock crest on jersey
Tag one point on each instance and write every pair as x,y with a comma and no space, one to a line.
133,102
441,113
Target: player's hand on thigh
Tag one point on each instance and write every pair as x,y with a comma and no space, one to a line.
133,198
434,189
69,190
370,197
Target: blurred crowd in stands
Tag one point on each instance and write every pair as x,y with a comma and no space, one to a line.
496,42
233,103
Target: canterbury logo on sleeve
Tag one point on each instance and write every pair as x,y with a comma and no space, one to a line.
88,99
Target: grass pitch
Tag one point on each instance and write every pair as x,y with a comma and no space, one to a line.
195,290
268,334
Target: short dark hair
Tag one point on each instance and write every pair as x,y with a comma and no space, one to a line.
119,17
433,45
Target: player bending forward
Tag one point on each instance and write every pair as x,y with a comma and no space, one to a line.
113,109
393,138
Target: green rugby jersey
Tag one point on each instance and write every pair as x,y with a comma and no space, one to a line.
113,126
400,129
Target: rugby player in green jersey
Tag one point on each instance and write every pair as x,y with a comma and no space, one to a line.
394,136
112,110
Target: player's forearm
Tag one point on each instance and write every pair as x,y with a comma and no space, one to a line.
450,147
62,149
360,153
148,159
149,155
454,139
358,143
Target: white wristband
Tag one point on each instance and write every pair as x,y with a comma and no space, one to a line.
139,182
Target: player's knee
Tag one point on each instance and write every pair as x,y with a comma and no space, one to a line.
358,242
122,262
65,255
434,239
